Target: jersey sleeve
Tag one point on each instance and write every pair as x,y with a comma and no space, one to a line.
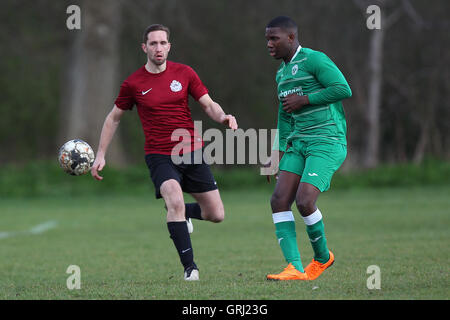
196,87
125,100
330,77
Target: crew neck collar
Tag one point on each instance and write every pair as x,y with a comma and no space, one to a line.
157,73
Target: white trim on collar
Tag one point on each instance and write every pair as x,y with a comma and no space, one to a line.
296,52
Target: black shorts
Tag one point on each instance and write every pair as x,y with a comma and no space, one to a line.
193,178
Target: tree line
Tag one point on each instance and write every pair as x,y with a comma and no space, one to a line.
59,84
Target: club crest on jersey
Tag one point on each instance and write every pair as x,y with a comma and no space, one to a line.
294,69
175,86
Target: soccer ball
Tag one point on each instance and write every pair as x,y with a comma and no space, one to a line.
76,157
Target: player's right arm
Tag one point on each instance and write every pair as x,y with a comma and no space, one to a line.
109,128
284,129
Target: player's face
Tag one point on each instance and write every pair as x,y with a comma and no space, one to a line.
278,42
157,47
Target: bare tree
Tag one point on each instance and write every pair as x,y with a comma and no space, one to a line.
91,75
371,154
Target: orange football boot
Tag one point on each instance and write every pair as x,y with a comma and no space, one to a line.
289,273
315,268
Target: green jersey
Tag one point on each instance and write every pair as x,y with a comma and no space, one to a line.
312,73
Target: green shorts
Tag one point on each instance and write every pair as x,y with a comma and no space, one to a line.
314,161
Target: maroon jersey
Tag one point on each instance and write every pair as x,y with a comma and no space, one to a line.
162,104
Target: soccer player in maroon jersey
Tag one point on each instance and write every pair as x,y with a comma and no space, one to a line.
160,91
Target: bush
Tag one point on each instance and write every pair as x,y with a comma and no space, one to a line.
47,179
430,172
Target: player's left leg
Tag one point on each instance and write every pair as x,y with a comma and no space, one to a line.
211,205
198,181
322,162
306,198
306,203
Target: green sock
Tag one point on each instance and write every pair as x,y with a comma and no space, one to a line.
287,238
316,233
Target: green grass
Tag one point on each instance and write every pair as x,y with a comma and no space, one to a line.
124,251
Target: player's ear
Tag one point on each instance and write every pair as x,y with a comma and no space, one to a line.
291,36
144,47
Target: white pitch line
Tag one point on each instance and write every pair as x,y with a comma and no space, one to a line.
4,235
38,229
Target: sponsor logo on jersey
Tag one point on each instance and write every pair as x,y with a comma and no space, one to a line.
294,69
175,86
297,90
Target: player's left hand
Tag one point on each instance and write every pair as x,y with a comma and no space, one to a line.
294,102
230,120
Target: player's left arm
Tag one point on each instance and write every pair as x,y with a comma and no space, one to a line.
335,86
215,112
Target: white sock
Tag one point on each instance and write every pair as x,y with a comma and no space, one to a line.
313,218
282,216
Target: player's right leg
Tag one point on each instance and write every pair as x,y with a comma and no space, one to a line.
191,211
166,179
178,229
281,202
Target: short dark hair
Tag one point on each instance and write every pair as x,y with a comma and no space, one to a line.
155,27
283,22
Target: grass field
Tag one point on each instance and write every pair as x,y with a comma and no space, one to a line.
123,249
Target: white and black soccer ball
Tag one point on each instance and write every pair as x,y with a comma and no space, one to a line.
76,157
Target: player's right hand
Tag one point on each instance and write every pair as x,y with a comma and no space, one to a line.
230,120
269,179
268,164
98,165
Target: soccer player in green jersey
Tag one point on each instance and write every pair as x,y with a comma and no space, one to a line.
311,143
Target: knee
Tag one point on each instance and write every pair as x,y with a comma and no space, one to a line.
177,206
175,210
170,188
173,198
279,203
217,215
306,205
